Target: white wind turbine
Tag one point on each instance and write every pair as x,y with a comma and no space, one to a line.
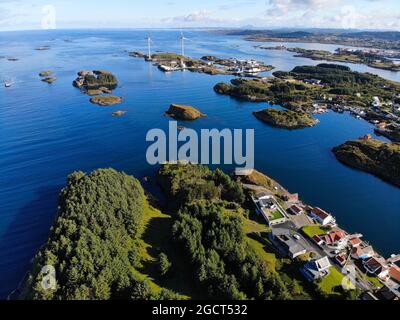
182,39
149,42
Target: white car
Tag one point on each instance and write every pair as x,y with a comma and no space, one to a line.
296,236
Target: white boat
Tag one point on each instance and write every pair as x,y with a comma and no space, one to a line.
166,68
7,84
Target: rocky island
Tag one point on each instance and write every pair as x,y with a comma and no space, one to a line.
286,119
106,100
170,62
47,76
119,113
289,94
373,156
49,80
95,80
95,92
182,112
46,73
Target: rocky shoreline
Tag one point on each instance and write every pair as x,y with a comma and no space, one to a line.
286,119
183,112
106,100
95,80
373,156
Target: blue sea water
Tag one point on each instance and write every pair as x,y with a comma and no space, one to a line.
49,131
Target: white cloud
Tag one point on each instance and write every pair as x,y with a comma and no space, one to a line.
282,7
197,18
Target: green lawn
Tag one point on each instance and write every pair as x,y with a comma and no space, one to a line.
374,280
251,226
315,230
276,215
268,257
330,283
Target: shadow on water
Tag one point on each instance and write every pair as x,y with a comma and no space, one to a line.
32,222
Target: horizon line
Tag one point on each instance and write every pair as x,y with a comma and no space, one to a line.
271,28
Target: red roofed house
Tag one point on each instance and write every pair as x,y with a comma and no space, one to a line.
394,273
341,259
336,238
318,240
295,209
362,252
355,242
322,216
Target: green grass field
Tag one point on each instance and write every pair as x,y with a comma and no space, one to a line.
374,280
330,283
276,215
259,248
315,230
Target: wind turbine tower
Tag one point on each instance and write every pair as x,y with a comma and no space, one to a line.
149,41
182,38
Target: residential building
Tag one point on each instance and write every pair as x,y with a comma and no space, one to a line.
318,240
316,269
335,238
362,252
377,266
267,206
386,293
355,242
321,216
296,210
265,200
394,273
341,259
292,246
376,102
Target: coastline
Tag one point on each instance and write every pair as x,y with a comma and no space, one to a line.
116,127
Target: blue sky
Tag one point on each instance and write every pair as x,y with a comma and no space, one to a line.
362,14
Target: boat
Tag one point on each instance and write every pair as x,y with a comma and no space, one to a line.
167,68
7,84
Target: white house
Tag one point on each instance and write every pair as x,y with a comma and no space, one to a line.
376,102
267,206
321,216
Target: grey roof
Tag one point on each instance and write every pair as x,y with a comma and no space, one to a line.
266,202
322,263
291,244
295,248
